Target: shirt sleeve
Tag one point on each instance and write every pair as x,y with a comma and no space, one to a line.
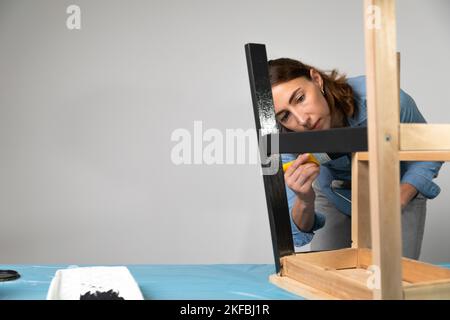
300,238
418,173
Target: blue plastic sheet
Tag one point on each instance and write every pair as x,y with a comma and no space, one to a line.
218,281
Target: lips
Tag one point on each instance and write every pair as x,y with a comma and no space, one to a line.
316,125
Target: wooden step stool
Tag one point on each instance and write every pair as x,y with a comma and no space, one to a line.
358,272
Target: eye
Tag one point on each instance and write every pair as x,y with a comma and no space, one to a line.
301,98
285,116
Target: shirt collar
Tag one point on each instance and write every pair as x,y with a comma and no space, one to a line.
361,116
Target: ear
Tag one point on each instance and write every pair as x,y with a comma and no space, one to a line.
316,77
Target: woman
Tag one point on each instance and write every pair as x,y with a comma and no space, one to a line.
306,98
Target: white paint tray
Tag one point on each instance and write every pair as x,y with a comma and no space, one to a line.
94,283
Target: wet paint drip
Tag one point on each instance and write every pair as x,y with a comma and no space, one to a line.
266,109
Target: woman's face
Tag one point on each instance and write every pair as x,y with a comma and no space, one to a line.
300,105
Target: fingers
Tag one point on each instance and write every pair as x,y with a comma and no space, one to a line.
301,159
305,187
308,183
301,170
301,179
304,175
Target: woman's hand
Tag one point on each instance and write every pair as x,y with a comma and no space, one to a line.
407,193
300,176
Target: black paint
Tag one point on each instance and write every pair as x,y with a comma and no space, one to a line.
99,295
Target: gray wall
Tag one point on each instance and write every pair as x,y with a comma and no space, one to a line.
86,118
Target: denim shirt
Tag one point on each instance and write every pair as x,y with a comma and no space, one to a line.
417,173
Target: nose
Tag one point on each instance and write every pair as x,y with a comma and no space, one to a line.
302,119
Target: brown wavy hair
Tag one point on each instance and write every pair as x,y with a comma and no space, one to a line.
337,92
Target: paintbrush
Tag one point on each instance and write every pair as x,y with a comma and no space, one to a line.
317,158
